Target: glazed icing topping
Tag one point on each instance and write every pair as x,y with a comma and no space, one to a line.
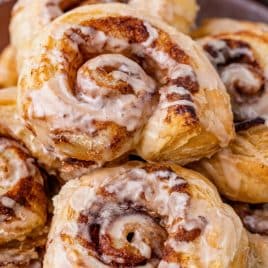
130,215
20,187
110,88
245,79
13,165
141,215
105,104
51,9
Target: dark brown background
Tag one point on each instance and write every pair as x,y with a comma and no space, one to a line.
240,9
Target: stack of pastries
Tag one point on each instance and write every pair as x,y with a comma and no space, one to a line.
124,142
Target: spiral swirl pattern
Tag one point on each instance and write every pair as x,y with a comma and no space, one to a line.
30,17
11,125
239,51
242,68
107,82
23,204
22,196
142,215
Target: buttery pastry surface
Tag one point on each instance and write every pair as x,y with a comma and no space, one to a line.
30,17
214,26
241,58
178,13
255,219
12,125
105,80
144,215
258,250
23,206
8,71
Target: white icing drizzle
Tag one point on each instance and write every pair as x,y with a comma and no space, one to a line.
150,190
177,103
182,70
175,71
8,202
118,230
126,110
65,111
132,109
153,34
258,221
256,107
177,90
220,47
244,76
12,166
16,166
239,72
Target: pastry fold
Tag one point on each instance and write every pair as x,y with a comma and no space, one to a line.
255,219
241,58
23,206
8,71
144,215
30,17
106,80
11,125
215,26
178,13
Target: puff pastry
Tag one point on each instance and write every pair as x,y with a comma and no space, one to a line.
11,125
105,80
8,71
30,17
144,215
241,58
216,26
23,206
178,13
255,219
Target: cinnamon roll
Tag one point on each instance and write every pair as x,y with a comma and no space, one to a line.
105,80
8,72
23,206
144,215
255,219
30,17
241,58
11,125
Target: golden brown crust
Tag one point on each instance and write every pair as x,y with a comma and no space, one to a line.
130,83
24,254
214,26
255,220
240,171
30,17
23,206
143,214
178,13
8,71
12,126
22,192
258,251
